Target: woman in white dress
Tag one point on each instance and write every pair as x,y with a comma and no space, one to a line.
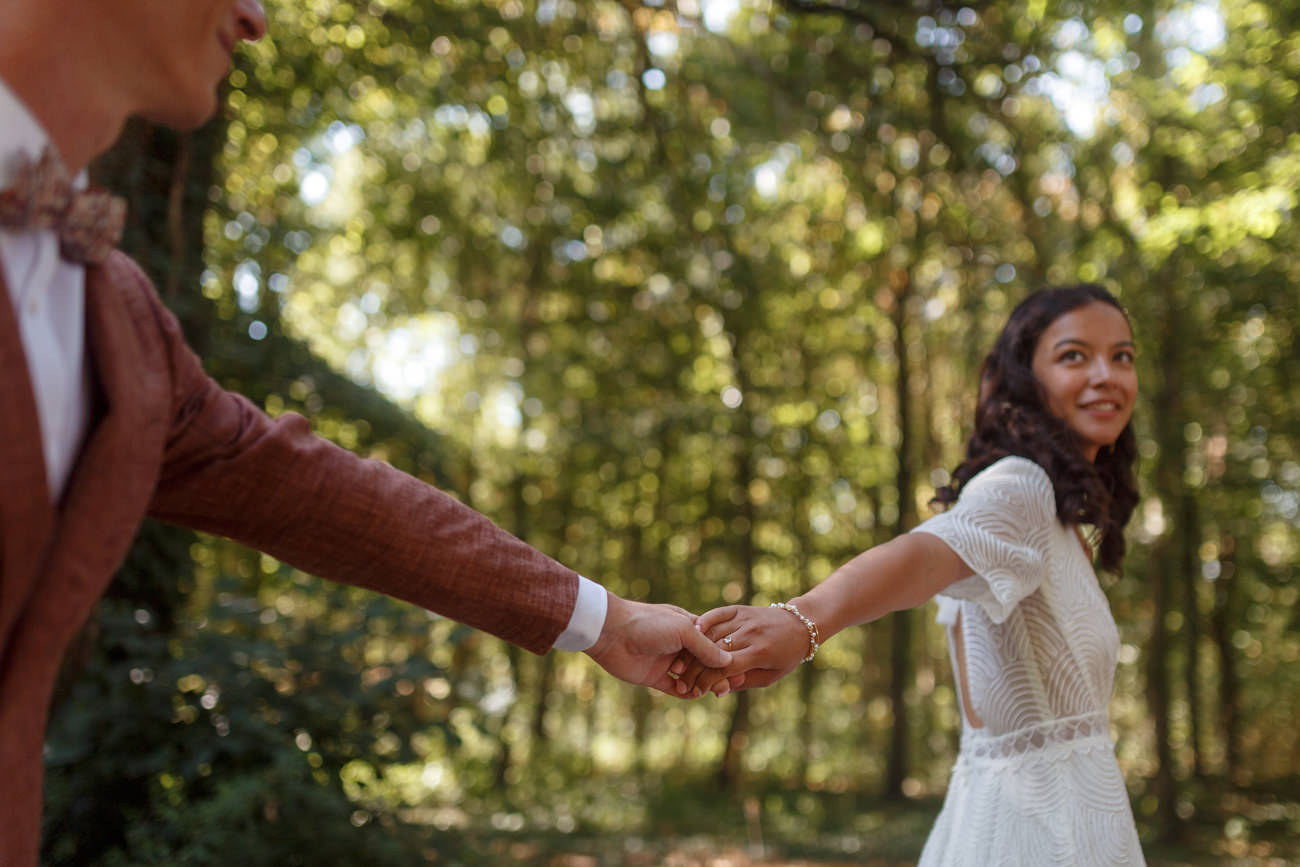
1031,636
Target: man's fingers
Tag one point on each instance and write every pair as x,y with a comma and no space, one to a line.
691,675
665,683
759,677
728,684
701,678
703,649
697,676
688,670
745,660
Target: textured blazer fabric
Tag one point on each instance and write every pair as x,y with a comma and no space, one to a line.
169,442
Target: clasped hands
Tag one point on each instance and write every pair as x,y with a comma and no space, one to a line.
669,649
765,644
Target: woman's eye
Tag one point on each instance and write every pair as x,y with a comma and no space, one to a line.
1125,357
1071,355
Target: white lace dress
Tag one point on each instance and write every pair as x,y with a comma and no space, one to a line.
1036,782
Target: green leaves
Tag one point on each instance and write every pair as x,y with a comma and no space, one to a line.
654,278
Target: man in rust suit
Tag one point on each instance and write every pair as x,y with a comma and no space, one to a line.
108,415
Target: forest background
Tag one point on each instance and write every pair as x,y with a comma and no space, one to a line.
691,294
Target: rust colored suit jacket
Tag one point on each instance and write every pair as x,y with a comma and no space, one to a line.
172,444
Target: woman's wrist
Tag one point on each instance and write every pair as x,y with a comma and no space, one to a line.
809,625
816,611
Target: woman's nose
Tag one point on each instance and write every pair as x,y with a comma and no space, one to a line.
1101,370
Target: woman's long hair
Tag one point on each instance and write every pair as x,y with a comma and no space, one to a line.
1011,418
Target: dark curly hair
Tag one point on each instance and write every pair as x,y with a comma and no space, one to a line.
1011,418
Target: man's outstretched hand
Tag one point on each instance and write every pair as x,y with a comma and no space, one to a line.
640,643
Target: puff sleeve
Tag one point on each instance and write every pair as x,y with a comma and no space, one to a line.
1002,527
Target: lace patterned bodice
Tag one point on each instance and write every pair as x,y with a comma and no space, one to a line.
1036,782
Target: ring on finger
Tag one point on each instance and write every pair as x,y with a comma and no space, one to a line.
726,639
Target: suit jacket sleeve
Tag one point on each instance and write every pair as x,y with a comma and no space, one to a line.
231,470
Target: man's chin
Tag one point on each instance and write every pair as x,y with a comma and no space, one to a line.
184,117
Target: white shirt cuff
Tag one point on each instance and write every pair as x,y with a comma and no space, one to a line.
588,617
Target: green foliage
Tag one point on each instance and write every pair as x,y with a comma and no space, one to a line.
664,292
184,743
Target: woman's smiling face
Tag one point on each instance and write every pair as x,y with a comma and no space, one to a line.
1084,361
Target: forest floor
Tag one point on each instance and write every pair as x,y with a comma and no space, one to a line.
799,829
702,853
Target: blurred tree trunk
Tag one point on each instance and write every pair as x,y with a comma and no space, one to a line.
546,673
742,506
1189,568
1169,436
635,560
1221,620
527,321
873,640
801,487
807,716
728,776
807,673
505,746
660,590
900,646
545,684
505,753
466,641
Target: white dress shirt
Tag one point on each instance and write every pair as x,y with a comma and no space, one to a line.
587,619
48,296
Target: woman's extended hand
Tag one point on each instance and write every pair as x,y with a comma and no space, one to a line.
765,643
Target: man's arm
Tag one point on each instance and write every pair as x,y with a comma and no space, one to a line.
229,469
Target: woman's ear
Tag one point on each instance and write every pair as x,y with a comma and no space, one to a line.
986,382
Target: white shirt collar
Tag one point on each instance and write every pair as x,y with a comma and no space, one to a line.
22,138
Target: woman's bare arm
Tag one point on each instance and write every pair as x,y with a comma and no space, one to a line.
767,643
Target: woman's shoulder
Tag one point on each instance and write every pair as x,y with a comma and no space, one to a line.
1012,480
1012,467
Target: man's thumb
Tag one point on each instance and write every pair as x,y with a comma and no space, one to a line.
702,648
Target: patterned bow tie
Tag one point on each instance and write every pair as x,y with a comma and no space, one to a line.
89,222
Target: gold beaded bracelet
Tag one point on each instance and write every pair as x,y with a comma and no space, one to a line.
812,627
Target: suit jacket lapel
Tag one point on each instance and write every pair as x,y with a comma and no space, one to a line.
26,509
113,479
114,450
